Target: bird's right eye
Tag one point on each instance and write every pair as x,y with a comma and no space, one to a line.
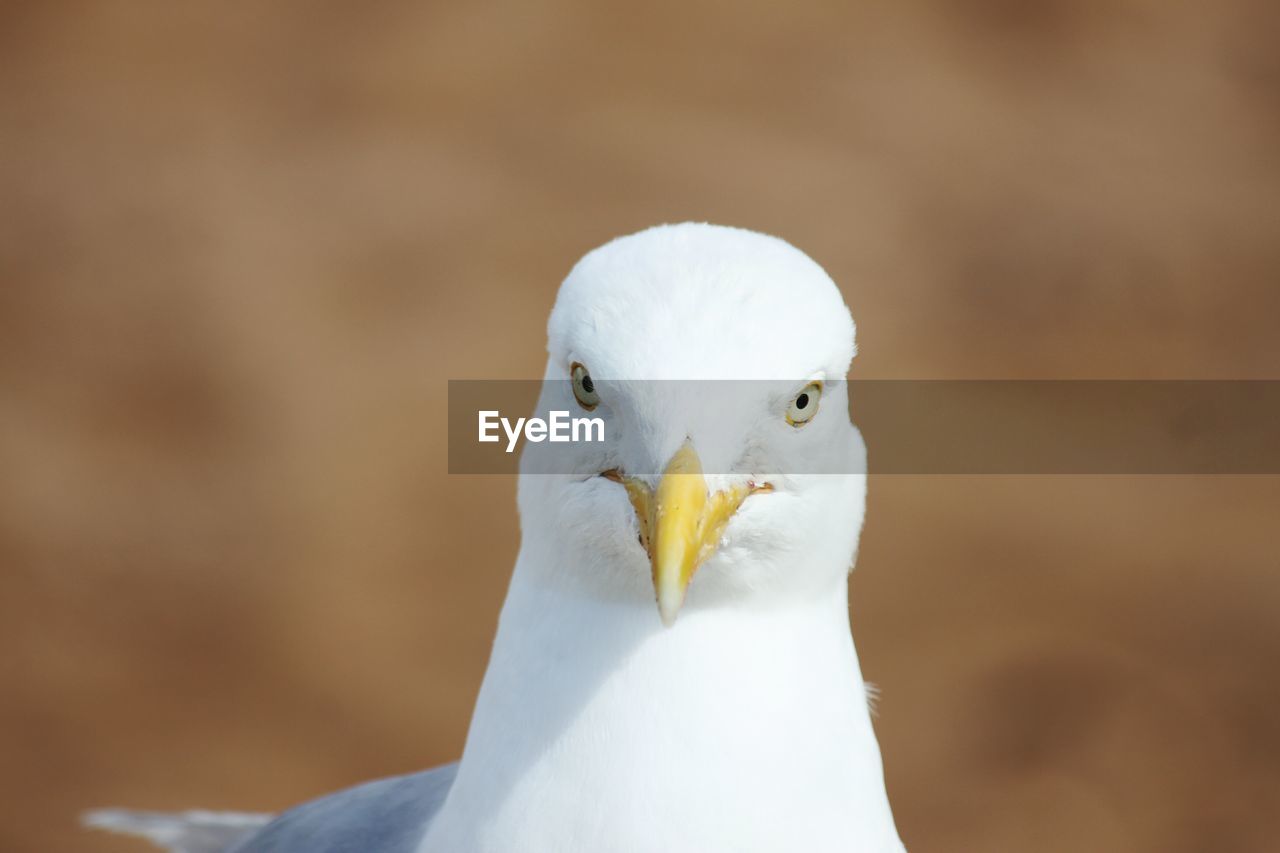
584,389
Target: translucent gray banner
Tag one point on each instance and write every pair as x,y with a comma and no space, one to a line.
909,426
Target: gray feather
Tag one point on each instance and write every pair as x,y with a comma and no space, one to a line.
386,816
180,832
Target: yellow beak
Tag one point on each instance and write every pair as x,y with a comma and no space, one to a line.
681,524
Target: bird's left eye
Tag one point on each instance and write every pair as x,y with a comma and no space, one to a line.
584,389
804,405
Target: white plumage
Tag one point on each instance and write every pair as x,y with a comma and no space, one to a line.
745,725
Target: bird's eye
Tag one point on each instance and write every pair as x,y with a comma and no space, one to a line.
805,405
583,388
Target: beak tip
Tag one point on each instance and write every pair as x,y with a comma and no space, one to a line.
669,607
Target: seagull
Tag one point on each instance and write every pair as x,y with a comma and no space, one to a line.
731,717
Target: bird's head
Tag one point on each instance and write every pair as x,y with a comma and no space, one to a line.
715,358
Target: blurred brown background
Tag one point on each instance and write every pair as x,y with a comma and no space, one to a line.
242,247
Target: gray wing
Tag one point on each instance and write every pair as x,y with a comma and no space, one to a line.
386,816
180,832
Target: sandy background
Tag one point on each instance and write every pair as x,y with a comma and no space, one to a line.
242,247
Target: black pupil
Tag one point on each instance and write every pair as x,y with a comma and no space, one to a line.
587,384
802,401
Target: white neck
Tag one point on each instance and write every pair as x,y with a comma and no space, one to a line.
598,729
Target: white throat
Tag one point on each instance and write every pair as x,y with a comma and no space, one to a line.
736,729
